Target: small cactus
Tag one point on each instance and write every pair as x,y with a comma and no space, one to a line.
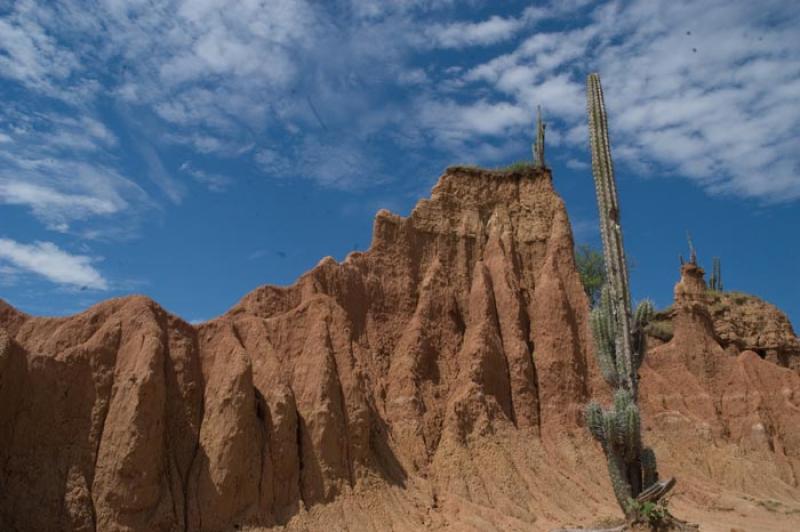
538,147
715,281
692,251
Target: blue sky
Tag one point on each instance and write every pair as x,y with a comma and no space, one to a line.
192,152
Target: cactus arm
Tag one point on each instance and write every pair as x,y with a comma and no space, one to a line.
604,345
594,420
633,434
641,317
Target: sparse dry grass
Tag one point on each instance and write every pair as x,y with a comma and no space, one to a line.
519,165
661,329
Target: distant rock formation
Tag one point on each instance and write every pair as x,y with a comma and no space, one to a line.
741,322
703,392
435,380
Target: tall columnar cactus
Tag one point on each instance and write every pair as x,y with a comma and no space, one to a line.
618,333
613,252
538,147
715,281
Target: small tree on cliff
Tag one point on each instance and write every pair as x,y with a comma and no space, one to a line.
591,270
619,340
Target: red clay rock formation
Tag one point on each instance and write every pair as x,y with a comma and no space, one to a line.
435,380
744,322
697,394
740,322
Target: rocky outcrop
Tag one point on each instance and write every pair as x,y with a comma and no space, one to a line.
435,380
706,399
746,323
126,418
740,322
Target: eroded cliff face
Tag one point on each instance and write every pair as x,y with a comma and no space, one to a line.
444,368
714,401
125,417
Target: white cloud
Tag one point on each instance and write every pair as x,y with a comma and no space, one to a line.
48,260
32,56
708,90
60,192
214,182
690,93
61,166
159,175
206,67
47,201
460,34
705,90
454,124
577,165
495,29
339,163
52,133
374,9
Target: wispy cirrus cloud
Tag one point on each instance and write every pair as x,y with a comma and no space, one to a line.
684,81
213,181
216,79
61,192
61,169
51,203
47,260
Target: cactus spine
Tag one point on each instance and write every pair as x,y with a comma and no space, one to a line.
538,147
618,333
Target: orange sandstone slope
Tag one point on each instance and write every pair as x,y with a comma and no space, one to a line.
434,381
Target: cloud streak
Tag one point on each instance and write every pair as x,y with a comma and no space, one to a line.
49,261
462,34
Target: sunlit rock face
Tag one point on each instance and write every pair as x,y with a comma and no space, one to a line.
434,380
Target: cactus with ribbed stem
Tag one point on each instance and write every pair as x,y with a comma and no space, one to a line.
715,281
617,331
538,147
